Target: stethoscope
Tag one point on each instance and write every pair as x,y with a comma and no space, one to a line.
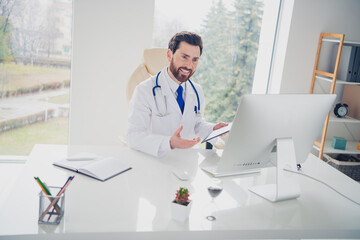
196,108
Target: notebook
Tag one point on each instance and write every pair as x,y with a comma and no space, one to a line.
101,168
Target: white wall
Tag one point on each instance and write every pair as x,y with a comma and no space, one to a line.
304,20
109,37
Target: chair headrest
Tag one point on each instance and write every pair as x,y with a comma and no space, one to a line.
155,59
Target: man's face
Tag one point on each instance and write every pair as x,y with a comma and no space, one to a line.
184,61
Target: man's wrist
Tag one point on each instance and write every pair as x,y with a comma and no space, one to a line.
171,145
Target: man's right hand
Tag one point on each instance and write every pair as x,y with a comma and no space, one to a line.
176,141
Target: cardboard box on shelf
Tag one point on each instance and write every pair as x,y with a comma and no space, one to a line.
351,97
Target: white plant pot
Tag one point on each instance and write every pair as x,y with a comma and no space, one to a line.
180,212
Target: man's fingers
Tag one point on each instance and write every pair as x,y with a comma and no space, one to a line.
176,141
220,125
189,143
178,131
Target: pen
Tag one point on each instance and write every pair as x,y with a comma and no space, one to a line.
57,197
42,185
70,178
52,212
47,187
47,192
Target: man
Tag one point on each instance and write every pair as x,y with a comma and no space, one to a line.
166,110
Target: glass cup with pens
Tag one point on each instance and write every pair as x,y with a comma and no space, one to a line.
51,207
55,214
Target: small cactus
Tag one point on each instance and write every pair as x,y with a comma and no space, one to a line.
182,196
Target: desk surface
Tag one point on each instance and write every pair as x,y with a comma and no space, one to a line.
136,204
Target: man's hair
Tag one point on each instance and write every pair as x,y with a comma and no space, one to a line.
189,37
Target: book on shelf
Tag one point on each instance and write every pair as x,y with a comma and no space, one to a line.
350,69
101,168
356,66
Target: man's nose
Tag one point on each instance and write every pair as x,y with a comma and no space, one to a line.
189,64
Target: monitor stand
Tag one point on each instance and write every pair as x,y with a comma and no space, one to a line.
287,184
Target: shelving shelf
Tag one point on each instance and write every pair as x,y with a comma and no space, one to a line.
343,120
346,43
350,148
338,81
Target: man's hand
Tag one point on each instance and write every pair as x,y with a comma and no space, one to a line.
176,141
220,125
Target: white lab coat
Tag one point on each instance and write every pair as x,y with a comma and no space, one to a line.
149,131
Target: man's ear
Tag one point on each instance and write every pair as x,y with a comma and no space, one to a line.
169,55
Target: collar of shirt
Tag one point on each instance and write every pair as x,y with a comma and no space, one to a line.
174,86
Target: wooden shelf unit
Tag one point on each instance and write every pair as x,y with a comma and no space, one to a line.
329,76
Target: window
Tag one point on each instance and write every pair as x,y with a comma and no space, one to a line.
35,51
231,31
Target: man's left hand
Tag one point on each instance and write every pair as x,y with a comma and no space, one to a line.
220,125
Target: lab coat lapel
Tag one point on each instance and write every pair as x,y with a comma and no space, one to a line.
190,99
188,118
171,101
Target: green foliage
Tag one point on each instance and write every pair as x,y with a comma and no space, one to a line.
21,141
60,99
5,53
21,79
227,65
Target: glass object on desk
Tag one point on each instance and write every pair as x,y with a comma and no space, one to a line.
214,190
54,213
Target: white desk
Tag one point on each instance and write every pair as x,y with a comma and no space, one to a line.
136,204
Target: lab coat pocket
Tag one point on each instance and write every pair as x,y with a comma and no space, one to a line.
163,125
188,121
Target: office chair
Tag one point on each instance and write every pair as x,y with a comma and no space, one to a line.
153,61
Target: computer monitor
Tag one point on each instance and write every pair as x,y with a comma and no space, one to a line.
274,130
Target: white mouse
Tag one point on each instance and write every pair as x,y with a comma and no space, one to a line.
180,174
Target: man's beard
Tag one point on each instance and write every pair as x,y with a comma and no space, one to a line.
176,72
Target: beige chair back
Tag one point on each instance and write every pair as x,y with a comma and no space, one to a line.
154,60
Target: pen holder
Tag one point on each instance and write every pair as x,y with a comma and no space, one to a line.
51,207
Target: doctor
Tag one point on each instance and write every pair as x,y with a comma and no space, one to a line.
166,110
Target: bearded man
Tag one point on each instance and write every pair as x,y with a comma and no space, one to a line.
166,110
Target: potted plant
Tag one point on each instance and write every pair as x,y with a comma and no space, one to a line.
180,207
